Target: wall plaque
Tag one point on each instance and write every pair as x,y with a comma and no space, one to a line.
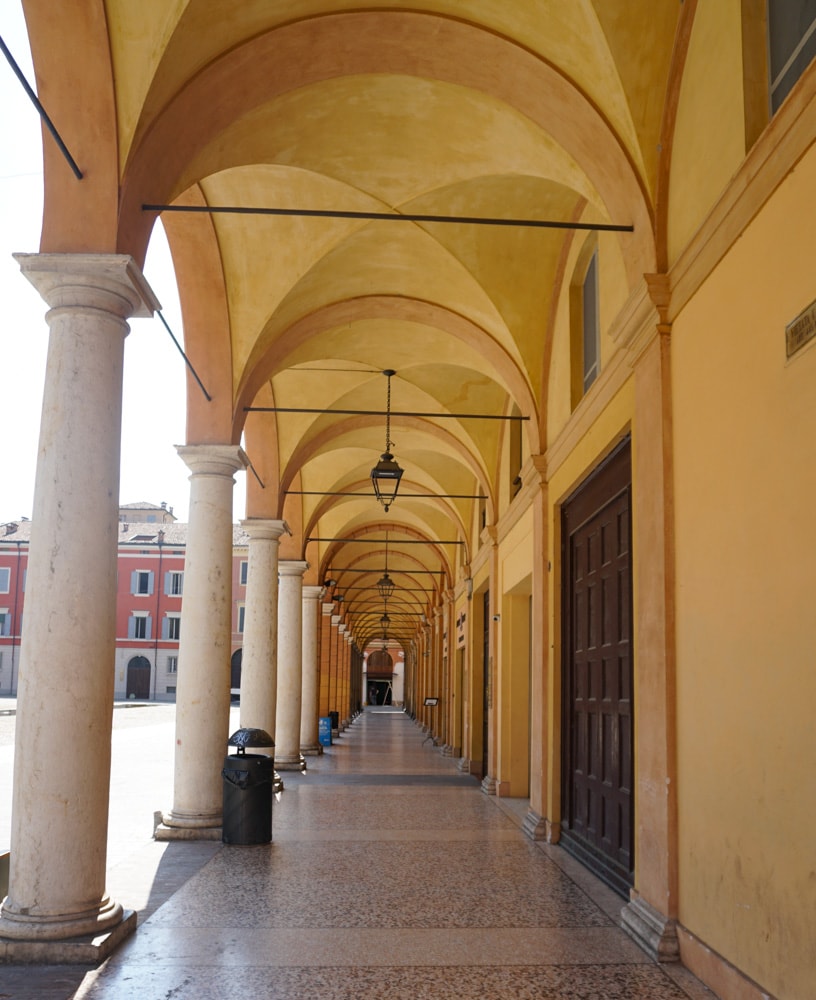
801,331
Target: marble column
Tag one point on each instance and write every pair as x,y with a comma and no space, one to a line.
335,666
203,686
325,659
259,660
345,710
290,666
65,696
309,742
342,650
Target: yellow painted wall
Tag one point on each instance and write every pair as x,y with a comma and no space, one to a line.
745,452
709,136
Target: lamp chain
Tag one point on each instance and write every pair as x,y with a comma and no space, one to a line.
388,417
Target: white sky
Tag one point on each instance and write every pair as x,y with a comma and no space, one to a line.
153,420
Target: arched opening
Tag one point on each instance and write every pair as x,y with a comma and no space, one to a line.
138,679
235,674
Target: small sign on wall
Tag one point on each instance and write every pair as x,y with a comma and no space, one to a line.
801,331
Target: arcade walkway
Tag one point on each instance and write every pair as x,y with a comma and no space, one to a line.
391,875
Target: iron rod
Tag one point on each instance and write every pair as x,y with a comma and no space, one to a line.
420,496
186,359
384,413
319,213
42,112
381,541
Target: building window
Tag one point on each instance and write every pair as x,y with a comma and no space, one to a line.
170,690
171,627
5,622
585,324
174,584
241,617
141,582
515,445
591,324
139,626
242,576
172,665
791,44
5,579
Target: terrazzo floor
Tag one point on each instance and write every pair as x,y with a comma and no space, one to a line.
390,875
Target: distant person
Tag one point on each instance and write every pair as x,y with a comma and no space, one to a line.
372,695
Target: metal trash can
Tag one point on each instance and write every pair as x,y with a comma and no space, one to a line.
247,792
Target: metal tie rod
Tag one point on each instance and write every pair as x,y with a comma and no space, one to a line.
320,213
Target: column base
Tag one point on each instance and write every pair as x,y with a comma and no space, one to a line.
18,924
313,750
653,931
290,762
167,826
463,766
534,826
85,949
488,785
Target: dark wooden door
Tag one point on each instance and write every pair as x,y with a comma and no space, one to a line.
598,775
138,678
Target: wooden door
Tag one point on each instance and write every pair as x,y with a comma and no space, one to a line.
138,678
597,735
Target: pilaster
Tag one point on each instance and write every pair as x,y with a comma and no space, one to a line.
651,915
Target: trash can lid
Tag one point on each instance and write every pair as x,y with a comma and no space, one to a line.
243,738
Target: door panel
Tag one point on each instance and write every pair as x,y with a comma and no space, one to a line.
597,821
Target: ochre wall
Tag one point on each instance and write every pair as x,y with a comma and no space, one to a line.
709,135
745,467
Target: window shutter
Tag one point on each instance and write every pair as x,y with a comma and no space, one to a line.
166,628
131,627
148,627
168,583
150,576
134,582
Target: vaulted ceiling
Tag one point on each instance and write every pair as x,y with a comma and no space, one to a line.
540,110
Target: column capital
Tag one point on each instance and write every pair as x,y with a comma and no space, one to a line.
313,593
212,459
265,528
327,609
292,567
112,282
